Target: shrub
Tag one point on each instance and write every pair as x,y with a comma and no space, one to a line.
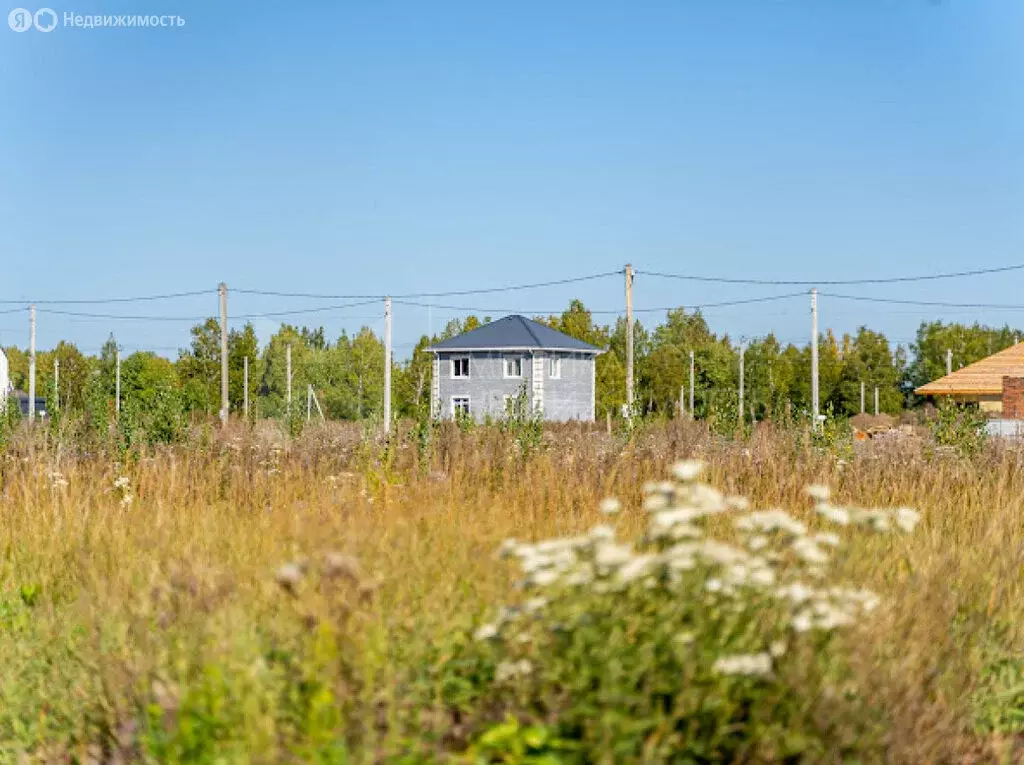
684,647
959,426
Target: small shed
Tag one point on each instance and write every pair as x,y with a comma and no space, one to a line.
981,382
487,371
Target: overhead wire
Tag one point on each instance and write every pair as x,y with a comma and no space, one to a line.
834,282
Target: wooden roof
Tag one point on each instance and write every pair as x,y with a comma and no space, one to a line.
982,378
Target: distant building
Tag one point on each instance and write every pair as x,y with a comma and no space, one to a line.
484,372
991,383
23,400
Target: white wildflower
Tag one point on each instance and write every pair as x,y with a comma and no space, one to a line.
508,670
758,542
636,568
797,592
749,665
508,548
122,482
827,538
835,514
777,649
802,622
687,470
771,520
611,555
818,492
486,632
808,551
655,502
737,503
610,506
714,585
602,532
907,519
126,500
534,604
542,578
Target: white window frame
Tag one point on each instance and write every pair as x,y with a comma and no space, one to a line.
451,368
554,367
469,406
504,367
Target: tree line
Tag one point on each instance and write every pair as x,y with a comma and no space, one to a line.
347,372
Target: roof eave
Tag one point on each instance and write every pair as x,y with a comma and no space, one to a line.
524,348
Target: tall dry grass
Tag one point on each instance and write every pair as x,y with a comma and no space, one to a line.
113,613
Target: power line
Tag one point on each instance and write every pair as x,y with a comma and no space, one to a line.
481,291
927,303
834,282
321,309
101,301
606,311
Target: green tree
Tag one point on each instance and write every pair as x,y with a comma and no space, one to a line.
199,368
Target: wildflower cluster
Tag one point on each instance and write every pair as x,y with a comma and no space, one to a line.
689,606
123,485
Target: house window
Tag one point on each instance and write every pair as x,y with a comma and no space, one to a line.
554,367
460,367
460,406
513,366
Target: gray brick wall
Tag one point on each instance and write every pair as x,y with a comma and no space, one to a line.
486,386
566,398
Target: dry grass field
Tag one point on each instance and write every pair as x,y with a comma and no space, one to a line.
249,598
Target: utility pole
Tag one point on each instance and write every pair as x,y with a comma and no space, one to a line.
117,381
876,401
224,406
682,401
288,375
949,361
862,397
629,338
692,411
31,363
245,388
814,359
309,402
387,365
56,384
743,348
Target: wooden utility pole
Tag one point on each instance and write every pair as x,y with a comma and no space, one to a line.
876,401
309,402
117,380
862,397
56,384
31,363
814,359
387,365
692,411
224,405
682,401
743,349
629,338
949,361
288,376
245,388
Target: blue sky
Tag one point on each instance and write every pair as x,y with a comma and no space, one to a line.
400,147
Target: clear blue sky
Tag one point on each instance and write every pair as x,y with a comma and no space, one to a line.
409,146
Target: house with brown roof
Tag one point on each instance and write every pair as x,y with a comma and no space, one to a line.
993,383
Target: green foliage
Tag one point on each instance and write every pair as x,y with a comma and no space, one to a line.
960,426
153,404
516,744
526,426
834,435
